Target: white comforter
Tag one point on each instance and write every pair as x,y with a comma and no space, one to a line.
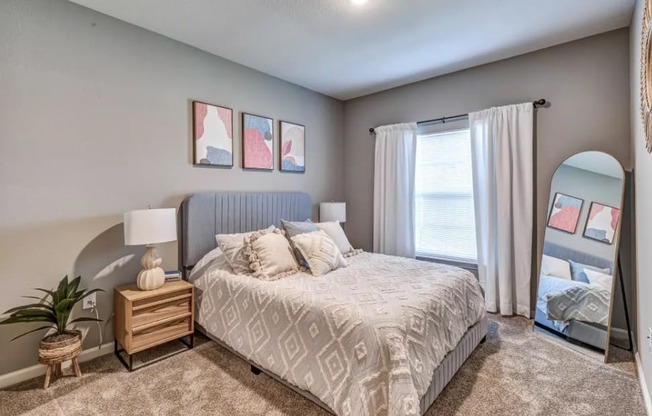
364,339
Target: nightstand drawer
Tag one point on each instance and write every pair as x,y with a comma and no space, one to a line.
160,309
169,329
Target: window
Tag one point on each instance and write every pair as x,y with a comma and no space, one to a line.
445,219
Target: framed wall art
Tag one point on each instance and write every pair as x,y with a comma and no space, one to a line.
257,142
212,135
602,223
293,147
565,213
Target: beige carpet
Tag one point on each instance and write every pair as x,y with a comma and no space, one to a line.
516,372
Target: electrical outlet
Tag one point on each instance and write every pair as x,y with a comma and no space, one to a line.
89,302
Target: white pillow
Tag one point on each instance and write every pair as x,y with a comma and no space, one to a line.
335,231
552,266
233,247
210,256
320,251
216,256
599,279
270,255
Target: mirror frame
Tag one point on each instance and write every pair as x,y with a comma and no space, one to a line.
617,266
616,243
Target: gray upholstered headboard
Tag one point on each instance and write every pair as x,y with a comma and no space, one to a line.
206,214
565,253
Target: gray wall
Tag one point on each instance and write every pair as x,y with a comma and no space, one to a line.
591,187
95,120
586,81
643,206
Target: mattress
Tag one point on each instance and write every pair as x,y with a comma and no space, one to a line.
365,339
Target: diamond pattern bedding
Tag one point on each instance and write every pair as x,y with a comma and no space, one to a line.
364,339
564,300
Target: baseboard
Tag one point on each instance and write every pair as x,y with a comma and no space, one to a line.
37,370
641,378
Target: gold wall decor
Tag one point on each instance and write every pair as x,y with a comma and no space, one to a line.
646,74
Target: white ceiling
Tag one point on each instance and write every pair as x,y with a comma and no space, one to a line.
346,51
598,162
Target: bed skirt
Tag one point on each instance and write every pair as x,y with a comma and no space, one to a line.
443,374
452,362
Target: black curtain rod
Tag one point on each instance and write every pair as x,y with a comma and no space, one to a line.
538,103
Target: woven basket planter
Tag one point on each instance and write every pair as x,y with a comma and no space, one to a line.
58,351
55,349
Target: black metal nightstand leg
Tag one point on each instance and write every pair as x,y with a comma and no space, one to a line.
130,365
191,343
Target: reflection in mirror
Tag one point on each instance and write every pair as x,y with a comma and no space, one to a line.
576,280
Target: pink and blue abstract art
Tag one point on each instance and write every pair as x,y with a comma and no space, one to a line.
602,223
293,150
257,142
565,213
213,135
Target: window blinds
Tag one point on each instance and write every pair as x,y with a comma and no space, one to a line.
444,216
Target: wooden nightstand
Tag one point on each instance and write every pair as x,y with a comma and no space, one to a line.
145,319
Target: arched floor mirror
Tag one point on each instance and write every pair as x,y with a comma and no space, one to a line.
579,263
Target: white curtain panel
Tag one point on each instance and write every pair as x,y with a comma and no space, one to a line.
394,189
503,184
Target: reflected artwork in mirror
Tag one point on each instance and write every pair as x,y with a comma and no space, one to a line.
577,279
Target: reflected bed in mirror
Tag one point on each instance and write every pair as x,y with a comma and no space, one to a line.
579,259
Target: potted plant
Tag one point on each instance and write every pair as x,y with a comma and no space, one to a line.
54,309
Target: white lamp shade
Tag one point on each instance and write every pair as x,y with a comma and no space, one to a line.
150,226
332,211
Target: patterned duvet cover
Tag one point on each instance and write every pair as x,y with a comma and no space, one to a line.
364,339
564,300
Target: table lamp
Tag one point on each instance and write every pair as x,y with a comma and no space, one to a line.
332,211
149,227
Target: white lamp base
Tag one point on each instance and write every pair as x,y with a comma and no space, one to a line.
152,276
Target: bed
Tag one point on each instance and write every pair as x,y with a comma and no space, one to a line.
381,336
590,329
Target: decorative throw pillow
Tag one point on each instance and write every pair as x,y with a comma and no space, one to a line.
577,271
270,255
599,279
552,266
233,247
293,228
320,251
335,231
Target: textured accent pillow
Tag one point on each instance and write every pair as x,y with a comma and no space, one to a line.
270,255
335,231
233,247
293,228
552,266
577,271
320,251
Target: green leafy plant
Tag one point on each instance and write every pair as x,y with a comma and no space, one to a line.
54,308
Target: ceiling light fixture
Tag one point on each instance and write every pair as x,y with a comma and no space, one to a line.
358,2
